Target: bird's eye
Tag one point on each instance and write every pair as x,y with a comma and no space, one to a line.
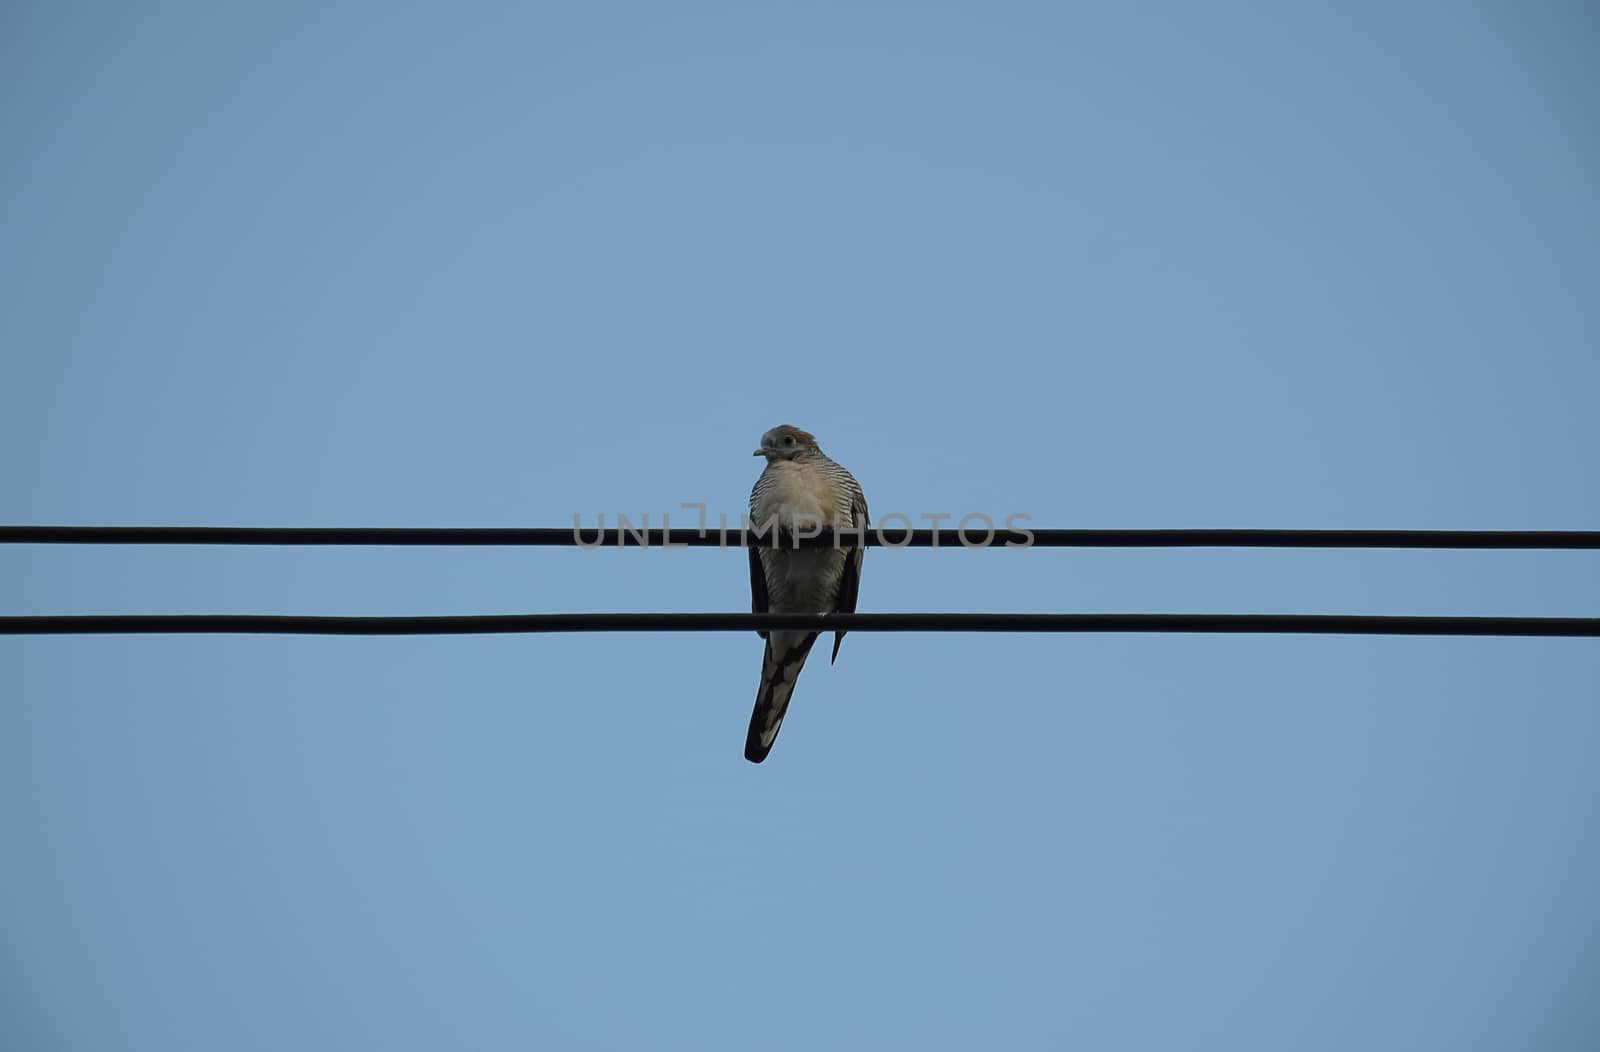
788,440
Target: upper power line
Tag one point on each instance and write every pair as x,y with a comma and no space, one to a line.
735,538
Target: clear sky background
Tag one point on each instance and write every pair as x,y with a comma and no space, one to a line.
1107,266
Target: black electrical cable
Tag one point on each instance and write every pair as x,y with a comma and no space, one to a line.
1313,624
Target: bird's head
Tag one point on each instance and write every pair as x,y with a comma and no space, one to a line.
786,442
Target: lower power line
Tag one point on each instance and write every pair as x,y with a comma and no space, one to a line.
482,624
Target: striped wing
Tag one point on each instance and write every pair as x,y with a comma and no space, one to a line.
850,579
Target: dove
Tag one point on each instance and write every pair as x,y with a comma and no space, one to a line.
801,489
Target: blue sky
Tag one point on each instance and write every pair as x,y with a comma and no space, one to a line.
1107,266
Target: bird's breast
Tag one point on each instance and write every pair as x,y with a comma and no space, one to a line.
802,496
797,495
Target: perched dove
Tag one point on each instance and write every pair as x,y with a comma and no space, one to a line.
801,490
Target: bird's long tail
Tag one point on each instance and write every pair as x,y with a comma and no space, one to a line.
780,668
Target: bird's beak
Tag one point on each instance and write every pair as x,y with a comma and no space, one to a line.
759,453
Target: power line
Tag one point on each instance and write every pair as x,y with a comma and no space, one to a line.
734,538
722,622
1300,624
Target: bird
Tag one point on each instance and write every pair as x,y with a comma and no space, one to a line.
801,490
